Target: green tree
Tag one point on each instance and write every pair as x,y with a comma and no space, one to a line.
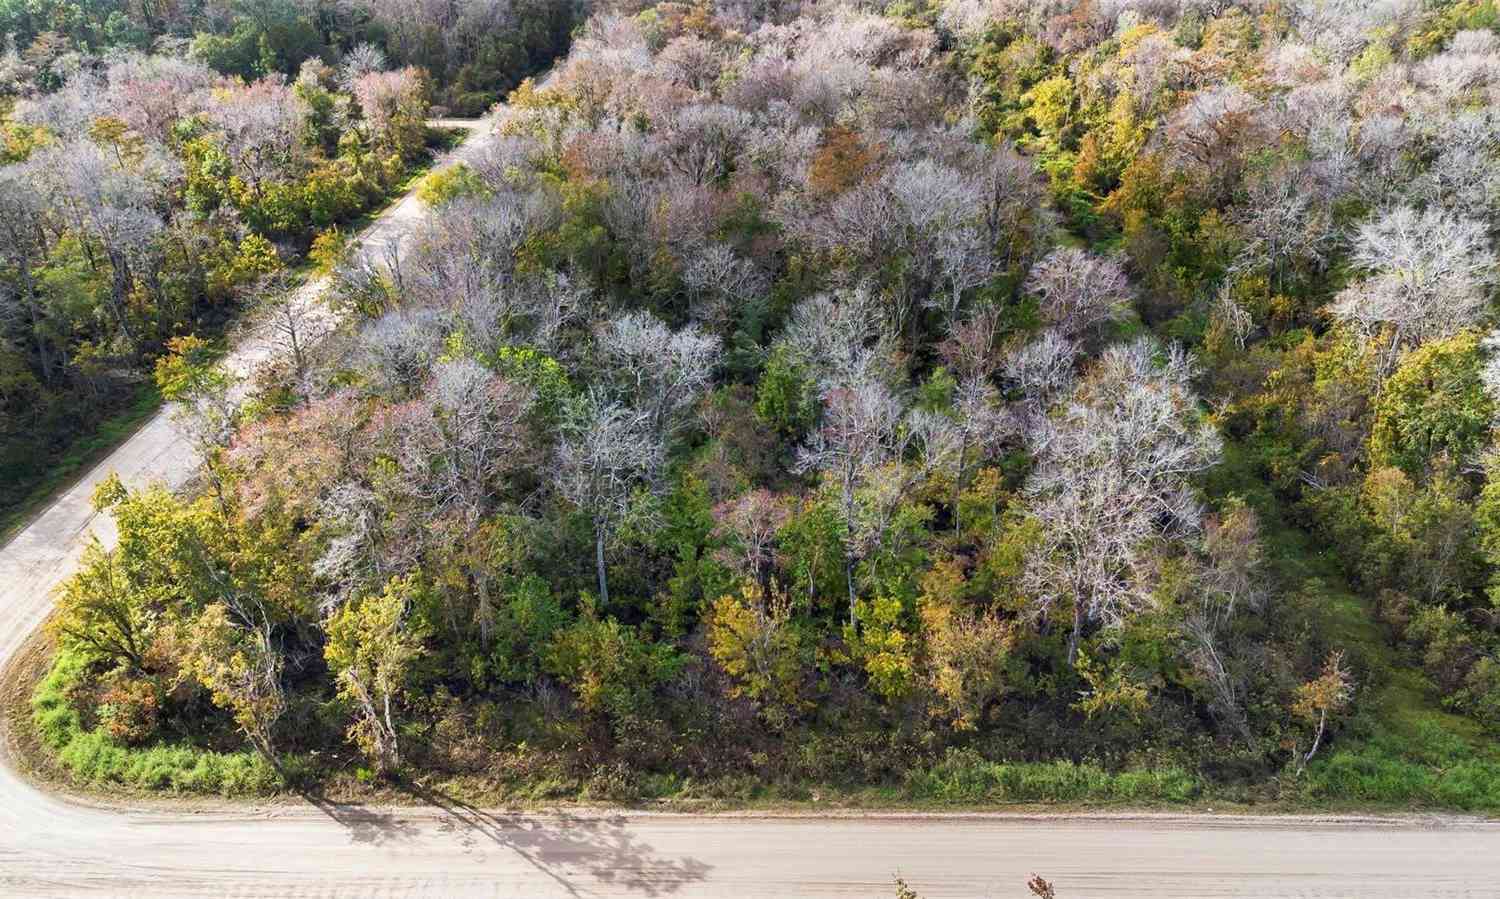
163,567
608,665
754,640
241,668
449,184
100,614
1433,406
371,650
785,398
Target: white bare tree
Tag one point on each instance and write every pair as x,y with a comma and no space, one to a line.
360,61
400,348
608,452
1079,291
1232,578
702,142
690,61
965,259
838,337
456,442
1043,370
23,310
979,417
720,283
116,205
1112,477
661,373
1428,275
262,124
299,320
861,432
1283,227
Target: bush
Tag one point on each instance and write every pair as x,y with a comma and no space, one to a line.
131,710
95,757
445,186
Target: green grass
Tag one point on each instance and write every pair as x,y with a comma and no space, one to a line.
965,778
81,455
91,758
1391,770
1402,748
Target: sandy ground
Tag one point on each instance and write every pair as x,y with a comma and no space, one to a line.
55,847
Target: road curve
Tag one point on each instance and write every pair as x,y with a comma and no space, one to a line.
57,847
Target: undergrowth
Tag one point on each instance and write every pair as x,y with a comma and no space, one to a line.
92,758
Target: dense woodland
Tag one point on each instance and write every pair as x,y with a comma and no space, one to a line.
159,161
826,394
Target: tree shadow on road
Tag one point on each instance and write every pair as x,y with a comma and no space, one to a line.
559,845
365,825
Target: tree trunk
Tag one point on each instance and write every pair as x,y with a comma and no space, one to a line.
120,298
849,537
849,577
958,479
1317,739
1077,634
393,750
34,313
599,564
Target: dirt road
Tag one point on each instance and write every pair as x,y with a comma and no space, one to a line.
52,847
46,551
57,850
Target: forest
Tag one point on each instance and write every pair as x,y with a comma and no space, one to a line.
943,401
159,161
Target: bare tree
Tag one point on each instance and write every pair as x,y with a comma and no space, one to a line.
22,243
608,452
1079,291
1211,133
298,322
860,433
691,61
720,283
979,417
361,60
262,124
400,348
115,206
751,522
1231,578
660,372
965,259
1464,178
978,424
838,337
1043,370
1013,208
1112,476
701,143
352,516
1429,275
455,444
1283,226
